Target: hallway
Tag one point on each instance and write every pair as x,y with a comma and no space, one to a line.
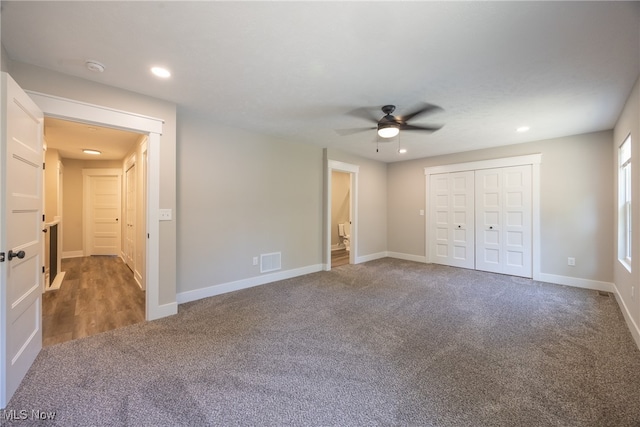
98,294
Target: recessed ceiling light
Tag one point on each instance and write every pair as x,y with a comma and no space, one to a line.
523,129
161,72
93,152
402,150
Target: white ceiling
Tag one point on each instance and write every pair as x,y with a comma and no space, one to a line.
70,138
296,69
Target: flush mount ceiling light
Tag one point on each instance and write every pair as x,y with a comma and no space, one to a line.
93,152
523,129
161,72
95,66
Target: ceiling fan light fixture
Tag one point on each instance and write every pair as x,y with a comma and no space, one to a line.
388,130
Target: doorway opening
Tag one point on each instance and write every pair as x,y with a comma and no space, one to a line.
101,222
341,215
340,218
53,106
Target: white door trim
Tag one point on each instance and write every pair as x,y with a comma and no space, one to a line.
63,108
532,159
333,165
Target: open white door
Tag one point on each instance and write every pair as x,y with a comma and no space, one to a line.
20,233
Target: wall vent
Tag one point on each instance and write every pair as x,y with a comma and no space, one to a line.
270,262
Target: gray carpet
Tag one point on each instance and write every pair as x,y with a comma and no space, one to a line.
388,342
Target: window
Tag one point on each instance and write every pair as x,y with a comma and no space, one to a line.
624,203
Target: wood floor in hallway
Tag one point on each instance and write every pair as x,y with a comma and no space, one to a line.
98,294
339,257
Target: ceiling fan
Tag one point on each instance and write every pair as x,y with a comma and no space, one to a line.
389,126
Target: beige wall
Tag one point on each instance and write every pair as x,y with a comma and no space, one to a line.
4,60
576,199
242,195
45,81
51,189
625,281
340,200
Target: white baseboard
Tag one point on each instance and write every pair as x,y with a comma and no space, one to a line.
631,324
73,254
162,311
57,281
576,282
407,257
250,282
370,257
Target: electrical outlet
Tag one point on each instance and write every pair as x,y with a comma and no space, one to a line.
571,261
421,212
255,260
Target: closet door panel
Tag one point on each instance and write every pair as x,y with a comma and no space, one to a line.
462,207
440,243
489,220
452,220
517,227
503,220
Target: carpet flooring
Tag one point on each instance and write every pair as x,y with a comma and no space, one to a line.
388,342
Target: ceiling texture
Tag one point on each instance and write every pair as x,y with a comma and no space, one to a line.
297,70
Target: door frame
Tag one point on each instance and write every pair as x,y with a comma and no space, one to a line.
532,159
352,170
129,163
67,109
87,206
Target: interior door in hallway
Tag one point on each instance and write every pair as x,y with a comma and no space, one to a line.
21,261
503,220
452,219
102,198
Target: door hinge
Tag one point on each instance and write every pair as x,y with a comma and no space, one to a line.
1,256
43,165
42,217
43,268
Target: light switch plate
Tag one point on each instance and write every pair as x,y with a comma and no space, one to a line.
165,215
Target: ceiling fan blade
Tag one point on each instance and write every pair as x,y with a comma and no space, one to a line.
422,128
423,109
347,132
364,113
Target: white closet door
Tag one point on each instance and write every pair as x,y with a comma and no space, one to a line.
503,220
452,219
489,220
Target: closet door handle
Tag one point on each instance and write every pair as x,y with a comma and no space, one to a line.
19,255
491,227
